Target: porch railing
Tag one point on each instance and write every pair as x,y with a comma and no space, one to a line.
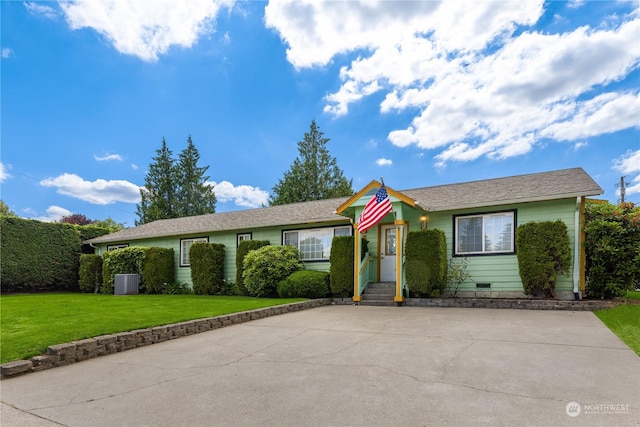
367,273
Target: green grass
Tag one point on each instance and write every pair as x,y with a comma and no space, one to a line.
632,295
624,321
31,323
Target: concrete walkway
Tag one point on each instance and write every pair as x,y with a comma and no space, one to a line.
351,366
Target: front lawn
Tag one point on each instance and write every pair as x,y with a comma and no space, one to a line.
635,295
31,323
624,321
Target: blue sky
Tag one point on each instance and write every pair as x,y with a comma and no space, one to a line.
419,93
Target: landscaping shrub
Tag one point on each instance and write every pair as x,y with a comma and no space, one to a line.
207,267
304,284
426,263
244,248
175,288
158,270
612,247
264,268
38,255
121,261
544,252
341,266
90,273
229,289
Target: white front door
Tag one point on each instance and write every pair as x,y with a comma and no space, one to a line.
388,251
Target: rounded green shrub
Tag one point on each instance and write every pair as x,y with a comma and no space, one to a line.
544,252
90,273
264,268
305,284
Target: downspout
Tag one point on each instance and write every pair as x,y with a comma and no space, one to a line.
577,250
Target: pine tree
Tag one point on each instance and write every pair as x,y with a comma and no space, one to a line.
314,174
195,196
158,197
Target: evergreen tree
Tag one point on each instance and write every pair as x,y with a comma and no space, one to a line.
4,209
158,197
195,196
314,174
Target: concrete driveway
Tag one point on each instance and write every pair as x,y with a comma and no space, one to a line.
351,365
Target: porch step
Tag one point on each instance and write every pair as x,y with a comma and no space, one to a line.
379,294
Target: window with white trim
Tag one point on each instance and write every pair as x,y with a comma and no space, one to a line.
314,244
241,237
483,234
114,247
185,245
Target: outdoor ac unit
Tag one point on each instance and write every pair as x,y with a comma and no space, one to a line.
126,284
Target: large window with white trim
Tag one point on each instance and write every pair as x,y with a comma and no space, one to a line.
185,245
314,244
485,234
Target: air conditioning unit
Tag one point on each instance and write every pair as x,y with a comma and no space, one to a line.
126,284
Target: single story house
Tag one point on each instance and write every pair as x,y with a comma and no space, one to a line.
479,219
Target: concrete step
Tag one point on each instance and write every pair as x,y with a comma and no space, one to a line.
379,303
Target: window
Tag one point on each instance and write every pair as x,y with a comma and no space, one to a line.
314,244
485,233
185,245
241,237
114,247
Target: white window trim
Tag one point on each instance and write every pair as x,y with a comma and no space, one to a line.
303,230
240,238
511,250
184,257
116,247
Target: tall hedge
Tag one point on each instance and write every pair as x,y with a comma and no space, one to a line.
244,248
341,266
207,267
158,270
544,252
38,255
426,263
612,249
90,273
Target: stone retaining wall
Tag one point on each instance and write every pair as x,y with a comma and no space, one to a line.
66,354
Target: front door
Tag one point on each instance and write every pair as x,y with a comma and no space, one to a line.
388,250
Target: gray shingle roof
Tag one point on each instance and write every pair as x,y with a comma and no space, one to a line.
489,192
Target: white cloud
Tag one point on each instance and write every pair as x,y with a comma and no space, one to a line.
629,165
54,213
579,145
4,175
7,52
384,162
482,81
99,192
145,29
108,157
241,195
40,9
134,166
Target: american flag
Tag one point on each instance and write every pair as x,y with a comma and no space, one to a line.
374,210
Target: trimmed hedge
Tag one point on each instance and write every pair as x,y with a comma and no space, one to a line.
426,263
544,252
121,261
158,270
341,266
612,248
264,268
207,267
305,284
90,273
38,255
244,248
